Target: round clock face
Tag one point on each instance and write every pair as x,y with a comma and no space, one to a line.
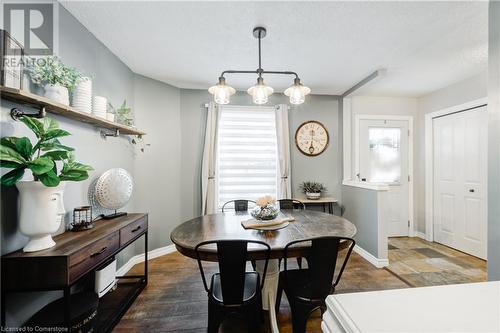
311,138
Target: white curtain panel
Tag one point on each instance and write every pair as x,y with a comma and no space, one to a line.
283,141
209,164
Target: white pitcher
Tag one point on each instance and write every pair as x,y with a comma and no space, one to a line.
40,206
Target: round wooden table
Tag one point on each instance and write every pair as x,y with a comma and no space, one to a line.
227,225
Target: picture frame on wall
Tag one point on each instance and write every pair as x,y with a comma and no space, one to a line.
12,61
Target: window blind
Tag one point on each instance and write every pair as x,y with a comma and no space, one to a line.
247,153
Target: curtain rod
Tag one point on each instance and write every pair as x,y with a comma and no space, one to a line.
249,106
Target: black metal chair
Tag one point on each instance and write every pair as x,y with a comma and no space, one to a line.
291,204
307,289
239,205
233,290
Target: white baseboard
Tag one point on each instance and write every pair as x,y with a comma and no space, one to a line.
377,262
420,234
140,258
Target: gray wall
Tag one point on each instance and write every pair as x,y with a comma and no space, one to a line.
112,79
324,168
157,169
363,211
494,144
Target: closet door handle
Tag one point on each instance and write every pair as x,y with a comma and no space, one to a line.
471,190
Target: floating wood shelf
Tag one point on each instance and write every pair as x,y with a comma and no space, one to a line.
24,97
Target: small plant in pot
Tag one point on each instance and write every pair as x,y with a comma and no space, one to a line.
312,189
124,114
57,78
51,164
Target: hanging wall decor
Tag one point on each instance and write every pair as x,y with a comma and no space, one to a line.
311,138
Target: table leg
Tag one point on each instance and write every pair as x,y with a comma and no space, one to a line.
67,307
270,289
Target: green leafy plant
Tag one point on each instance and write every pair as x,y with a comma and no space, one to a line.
52,70
42,158
312,187
124,114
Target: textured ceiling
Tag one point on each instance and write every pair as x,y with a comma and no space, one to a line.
423,45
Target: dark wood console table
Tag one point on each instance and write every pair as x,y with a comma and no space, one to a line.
74,256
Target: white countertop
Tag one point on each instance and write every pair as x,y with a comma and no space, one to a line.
472,307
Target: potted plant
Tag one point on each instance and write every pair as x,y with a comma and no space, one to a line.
312,189
57,78
124,114
265,209
51,164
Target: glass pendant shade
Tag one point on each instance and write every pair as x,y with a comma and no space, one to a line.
221,92
297,92
260,92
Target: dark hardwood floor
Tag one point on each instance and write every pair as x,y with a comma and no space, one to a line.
175,301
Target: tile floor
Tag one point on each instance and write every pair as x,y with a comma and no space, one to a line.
420,263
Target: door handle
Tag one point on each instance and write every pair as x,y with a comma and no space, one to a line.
471,190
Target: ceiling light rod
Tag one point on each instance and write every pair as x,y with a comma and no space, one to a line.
259,33
257,72
260,92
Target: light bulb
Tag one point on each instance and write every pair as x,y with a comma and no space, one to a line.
297,92
260,92
221,91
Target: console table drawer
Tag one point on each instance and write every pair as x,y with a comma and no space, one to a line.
92,255
133,230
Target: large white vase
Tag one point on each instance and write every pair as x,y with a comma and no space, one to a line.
40,206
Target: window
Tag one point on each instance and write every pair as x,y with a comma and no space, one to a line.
247,153
384,154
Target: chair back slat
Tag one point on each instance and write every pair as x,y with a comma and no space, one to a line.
291,204
240,205
232,262
322,261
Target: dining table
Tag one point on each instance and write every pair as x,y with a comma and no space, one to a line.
227,226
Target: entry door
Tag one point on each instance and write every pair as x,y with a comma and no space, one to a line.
383,158
460,175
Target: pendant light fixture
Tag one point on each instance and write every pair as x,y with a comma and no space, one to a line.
221,91
260,91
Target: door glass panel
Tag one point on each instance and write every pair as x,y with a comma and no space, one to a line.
384,154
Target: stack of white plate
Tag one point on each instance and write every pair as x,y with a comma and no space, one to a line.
100,106
82,96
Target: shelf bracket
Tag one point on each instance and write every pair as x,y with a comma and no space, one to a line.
16,113
115,133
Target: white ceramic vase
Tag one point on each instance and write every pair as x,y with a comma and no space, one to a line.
82,95
40,206
313,196
57,93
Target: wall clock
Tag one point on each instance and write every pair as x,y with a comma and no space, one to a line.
311,138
